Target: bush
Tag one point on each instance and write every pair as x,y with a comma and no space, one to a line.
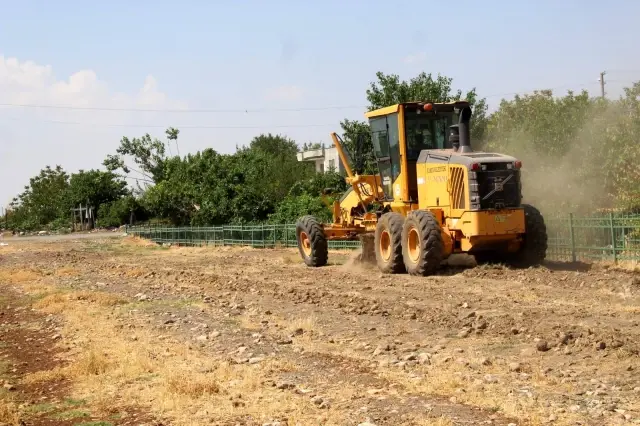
293,207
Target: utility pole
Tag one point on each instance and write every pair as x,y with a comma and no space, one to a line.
602,83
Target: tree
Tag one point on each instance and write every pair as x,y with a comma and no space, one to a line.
147,153
579,152
95,187
43,201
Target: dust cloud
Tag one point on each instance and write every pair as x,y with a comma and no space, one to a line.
569,173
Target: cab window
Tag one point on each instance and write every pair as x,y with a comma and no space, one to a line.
426,131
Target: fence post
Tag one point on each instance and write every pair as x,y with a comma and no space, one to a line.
286,236
613,238
573,238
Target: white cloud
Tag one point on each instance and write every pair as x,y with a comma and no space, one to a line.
284,93
35,137
415,58
30,83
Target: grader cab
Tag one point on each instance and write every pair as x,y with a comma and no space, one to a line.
432,196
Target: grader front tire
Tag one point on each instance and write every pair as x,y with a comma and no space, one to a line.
312,243
388,243
423,247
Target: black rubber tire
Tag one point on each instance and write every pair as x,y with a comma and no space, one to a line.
391,223
318,241
430,243
534,250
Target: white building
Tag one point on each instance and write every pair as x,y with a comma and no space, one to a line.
325,159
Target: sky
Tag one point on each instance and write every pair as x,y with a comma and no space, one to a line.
77,76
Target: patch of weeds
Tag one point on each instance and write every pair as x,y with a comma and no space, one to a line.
74,402
69,415
147,377
45,407
116,416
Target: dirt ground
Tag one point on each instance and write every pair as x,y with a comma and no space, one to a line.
101,332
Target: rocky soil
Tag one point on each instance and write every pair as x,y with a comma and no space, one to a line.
342,344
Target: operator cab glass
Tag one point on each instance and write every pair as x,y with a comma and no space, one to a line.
386,145
426,131
422,130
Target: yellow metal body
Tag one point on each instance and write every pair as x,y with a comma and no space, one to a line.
441,188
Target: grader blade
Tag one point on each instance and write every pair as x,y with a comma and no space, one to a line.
367,252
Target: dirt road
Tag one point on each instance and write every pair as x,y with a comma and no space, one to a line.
142,334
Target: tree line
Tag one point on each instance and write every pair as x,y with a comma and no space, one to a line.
580,154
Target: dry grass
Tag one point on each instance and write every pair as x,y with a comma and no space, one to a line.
18,276
58,302
66,271
9,414
168,378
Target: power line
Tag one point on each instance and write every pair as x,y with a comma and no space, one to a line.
245,110
205,110
185,126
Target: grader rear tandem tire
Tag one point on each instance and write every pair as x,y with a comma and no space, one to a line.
422,245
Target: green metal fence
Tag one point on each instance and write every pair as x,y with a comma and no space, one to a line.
571,238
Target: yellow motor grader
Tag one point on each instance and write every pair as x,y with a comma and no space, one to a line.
432,196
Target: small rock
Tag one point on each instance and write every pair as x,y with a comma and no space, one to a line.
601,346
320,402
285,341
489,378
616,344
9,387
410,357
214,334
516,367
202,338
480,325
256,360
465,332
424,358
367,423
465,305
285,385
485,361
542,346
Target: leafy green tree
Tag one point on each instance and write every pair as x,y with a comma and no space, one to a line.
95,187
293,207
579,152
43,200
147,153
120,212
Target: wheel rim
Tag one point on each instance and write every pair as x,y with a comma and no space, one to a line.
413,245
305,243
385,245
